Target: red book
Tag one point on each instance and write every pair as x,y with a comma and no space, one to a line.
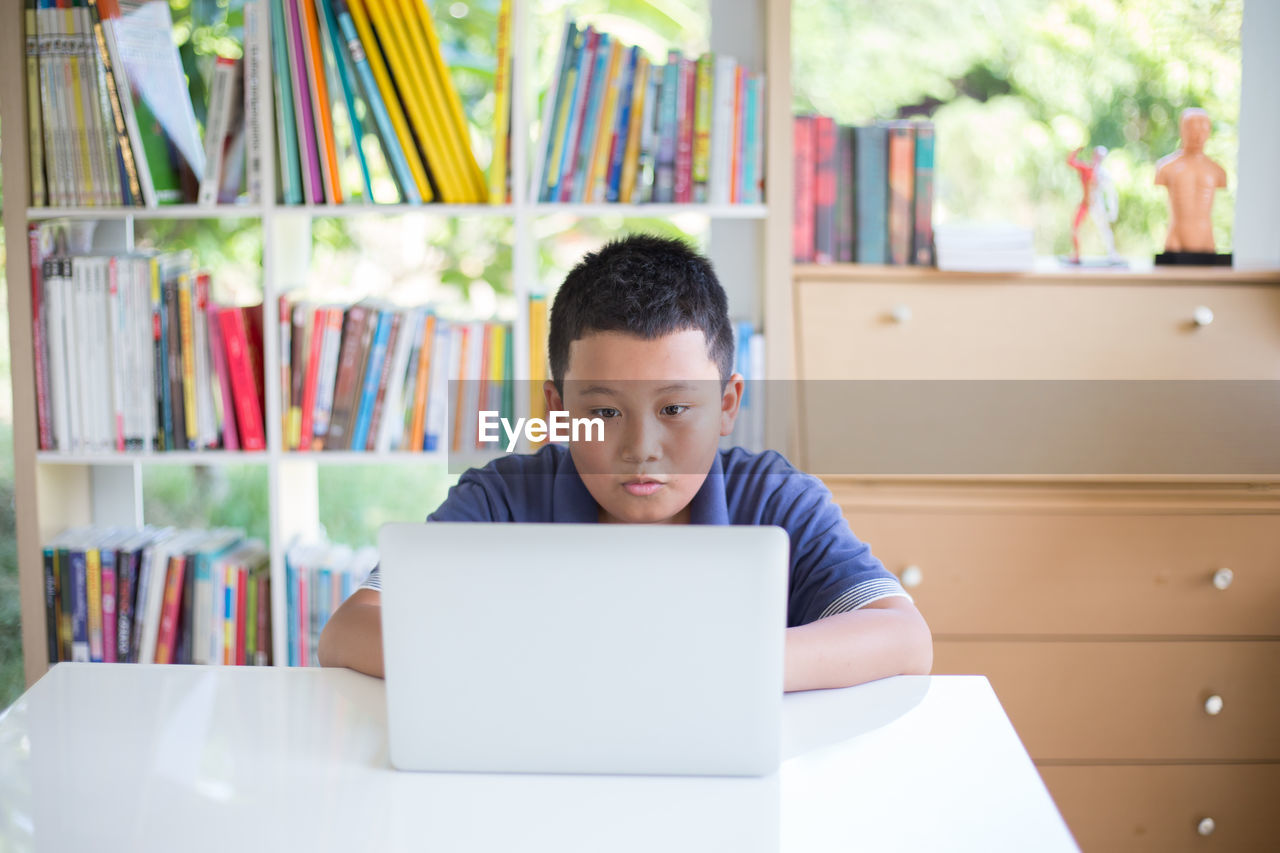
319,323
167,637
37,339
253,331
243,388
803,157
735,151
230,438
242,586
824,189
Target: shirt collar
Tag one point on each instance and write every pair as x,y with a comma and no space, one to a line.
573,504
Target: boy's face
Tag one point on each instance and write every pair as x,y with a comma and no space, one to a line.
664,412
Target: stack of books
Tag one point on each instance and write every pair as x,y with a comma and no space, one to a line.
157,595
985,247
110,117
335,61
377,377
863,194
132,354
618,127
318,578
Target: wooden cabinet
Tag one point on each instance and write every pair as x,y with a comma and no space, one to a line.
1165,809
1129,624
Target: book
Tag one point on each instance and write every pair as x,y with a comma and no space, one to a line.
824,190
804,153
922,237
901,171
845,208
871,160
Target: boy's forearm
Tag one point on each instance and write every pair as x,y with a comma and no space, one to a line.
859,646
353,638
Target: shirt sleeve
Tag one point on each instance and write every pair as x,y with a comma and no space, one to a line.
468,500
832,571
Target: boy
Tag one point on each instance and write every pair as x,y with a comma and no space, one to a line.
640,337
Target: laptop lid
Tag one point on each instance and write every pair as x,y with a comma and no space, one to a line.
592,648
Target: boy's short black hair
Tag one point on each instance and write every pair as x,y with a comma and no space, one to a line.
646,285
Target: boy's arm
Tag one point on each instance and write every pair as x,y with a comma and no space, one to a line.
353,635
886,637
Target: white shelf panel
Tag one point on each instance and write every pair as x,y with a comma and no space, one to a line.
345,210
176,211
357,457
178,457
714,211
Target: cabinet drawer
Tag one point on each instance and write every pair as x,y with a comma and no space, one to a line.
1137,808
1081,573
1132,701
1016,330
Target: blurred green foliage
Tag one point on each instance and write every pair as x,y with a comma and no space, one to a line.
1016,86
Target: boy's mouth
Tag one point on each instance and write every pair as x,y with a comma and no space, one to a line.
642,486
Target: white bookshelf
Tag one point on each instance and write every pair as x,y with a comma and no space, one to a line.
750,245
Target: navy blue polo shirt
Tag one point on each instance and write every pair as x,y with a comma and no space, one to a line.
831,570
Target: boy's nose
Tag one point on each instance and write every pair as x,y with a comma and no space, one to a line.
641,442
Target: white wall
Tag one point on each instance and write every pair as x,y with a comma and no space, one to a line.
1257,220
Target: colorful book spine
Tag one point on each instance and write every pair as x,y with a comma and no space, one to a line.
312,182
664,190
871,158
243,384
107,560
93,593
703,102
824,189
804,156
288,163
902,161
845,205
497,181
80,605
388,117
922,239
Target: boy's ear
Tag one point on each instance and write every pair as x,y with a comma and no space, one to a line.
730,400
554,401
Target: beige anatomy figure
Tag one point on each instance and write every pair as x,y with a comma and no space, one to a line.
1192,179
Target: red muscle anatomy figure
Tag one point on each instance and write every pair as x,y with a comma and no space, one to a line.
1100,200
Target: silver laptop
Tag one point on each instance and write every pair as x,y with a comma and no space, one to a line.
592,648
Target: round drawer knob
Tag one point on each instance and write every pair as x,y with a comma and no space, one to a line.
912,576
1213,705
1202,316
1206,826
901,313
1222,578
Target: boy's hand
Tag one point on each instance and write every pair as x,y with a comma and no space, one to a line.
886,637
353,635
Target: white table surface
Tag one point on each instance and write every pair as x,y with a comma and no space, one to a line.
191,758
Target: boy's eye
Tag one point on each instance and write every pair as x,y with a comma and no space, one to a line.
605,412
674,409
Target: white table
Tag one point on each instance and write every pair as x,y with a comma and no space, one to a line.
136,757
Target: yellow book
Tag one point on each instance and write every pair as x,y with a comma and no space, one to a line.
537,355
598,166
93,594
452,103
455,154
388,22
188,361
389,98
86,192
501,108
631,156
